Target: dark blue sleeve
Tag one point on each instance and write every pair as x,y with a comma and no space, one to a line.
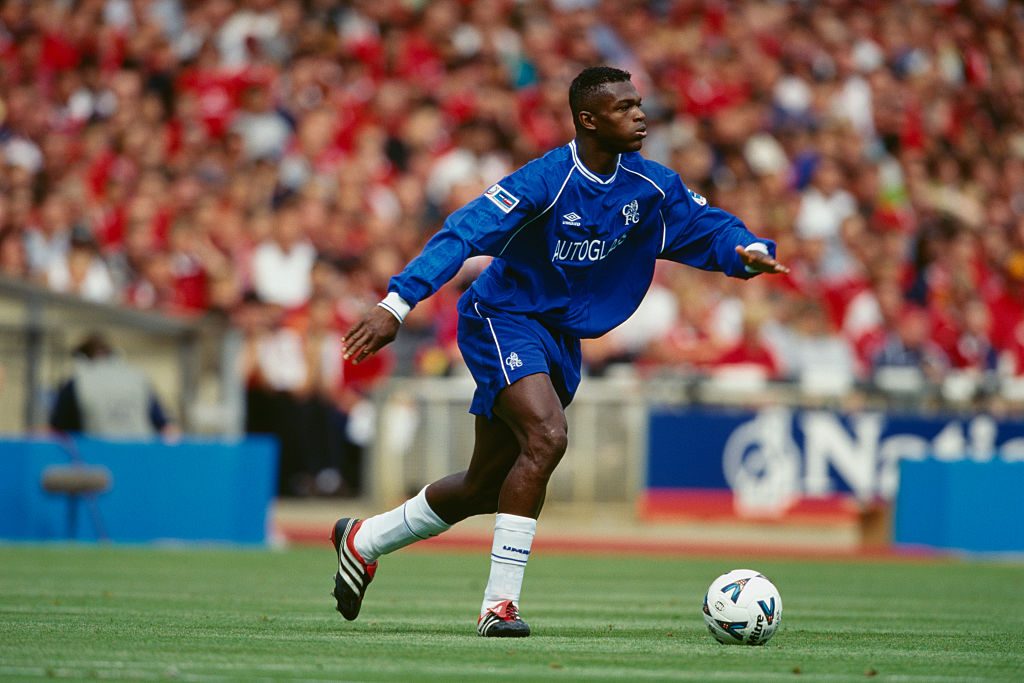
704,236
65,416
484,226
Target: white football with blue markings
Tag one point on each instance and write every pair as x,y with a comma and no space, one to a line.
742,607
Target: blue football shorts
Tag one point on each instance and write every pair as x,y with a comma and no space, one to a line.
502,348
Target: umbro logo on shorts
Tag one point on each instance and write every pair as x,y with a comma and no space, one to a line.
513,361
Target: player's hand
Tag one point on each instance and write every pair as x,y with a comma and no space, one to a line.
761,263
376,330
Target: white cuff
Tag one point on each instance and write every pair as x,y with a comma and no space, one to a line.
396,306
756,247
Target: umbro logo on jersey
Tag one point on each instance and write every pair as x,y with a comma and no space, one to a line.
513,361
502,198
632,212
572,218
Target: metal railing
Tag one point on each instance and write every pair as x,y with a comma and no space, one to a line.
424,432
39,327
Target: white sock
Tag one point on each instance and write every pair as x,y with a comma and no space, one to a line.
411,521
513,536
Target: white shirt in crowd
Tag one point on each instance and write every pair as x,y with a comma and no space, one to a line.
283,277
97,285
820,215
282,360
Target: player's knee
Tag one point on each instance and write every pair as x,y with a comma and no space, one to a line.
546,445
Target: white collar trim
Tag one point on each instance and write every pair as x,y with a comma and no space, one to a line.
587,173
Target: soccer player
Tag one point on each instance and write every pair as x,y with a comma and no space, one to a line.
575,236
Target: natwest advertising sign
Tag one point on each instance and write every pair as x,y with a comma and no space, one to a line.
774,458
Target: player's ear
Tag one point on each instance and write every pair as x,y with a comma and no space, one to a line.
586,120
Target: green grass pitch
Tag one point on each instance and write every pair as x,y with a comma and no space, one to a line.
86,612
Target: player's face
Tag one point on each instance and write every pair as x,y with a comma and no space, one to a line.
619,122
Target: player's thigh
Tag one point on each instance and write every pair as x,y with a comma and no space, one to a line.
529,404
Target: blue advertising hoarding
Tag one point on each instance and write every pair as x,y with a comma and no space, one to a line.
770,457
194,490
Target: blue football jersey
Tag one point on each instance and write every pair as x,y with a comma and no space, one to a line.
574,249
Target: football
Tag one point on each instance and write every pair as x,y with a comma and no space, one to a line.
742,607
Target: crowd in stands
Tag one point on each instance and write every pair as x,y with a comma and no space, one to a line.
275,161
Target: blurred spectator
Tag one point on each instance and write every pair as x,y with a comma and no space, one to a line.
1007,317
339,469
81,270
909,347
108,397
874,312
750,351
282,264
974,349
299,390
47,239
264,131
688,344
13,259
813,355
274,365
323,358
825,204
476,159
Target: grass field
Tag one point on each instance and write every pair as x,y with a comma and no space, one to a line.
215,614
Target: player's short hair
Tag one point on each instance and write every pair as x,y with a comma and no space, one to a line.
590,82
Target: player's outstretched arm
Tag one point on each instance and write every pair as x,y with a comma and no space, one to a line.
760,262
376,330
